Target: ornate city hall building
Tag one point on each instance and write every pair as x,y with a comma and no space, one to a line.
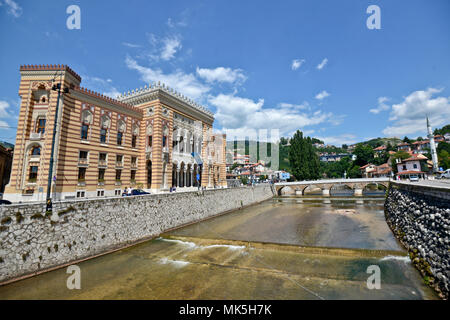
151,138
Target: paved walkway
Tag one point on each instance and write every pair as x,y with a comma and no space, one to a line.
441,183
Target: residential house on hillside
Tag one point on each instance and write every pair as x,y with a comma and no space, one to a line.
368,170
382,171
415,165
403,147
379,151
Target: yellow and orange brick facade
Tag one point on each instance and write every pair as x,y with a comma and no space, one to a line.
144,139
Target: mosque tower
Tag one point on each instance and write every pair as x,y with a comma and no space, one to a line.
434,157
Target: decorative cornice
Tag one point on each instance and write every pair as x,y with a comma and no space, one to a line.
158,91
51,67
108,100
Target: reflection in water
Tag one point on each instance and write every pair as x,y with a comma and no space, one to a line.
279,249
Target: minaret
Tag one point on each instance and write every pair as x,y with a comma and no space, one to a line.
434,157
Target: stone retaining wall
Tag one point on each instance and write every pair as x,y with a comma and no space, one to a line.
419,216
31,241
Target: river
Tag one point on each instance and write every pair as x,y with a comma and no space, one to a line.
283,248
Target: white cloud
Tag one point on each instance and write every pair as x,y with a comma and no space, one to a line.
173,24
339,139
186,83
322,95
13,8
297,63
381,105
102,86
284,105
221,74
4,105
243,114
131,45
322,64
170,47
409,116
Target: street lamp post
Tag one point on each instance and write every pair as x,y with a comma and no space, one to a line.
56,87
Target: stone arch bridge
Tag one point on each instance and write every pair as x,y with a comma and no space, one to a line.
357,185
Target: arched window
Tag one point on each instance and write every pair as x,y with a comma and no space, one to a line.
84,131
104,123
40,125
36,151
149,135
165,136
121,126
86,120
135,132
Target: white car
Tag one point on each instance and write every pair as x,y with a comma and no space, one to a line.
445,174
413,178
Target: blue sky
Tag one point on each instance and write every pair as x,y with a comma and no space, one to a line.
308,65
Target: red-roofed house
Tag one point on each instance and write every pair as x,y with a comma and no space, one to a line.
415,165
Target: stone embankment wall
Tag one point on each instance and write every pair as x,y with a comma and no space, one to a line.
31,240
419,216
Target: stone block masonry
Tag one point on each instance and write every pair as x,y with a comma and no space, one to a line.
419,216
32,241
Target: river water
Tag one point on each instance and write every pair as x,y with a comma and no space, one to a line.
283,248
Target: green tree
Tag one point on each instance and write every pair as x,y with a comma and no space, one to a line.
445,129
402,155
304,161
406,139
444,159
354,172
344,146
443,146
364,154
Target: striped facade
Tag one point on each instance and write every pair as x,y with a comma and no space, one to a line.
144,139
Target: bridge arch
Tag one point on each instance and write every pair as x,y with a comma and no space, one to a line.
374,187
341,189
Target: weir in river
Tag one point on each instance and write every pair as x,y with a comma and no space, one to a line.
282,248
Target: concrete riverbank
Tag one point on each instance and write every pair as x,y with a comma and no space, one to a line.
32,242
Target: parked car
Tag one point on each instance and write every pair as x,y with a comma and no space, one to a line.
4,202
135,192
445,174
414,178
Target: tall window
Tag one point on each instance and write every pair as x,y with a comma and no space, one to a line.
103,133
83,155
33,174
119,138
165,134
102,157
40,127
119,159
133,161
101,175
81,174
36,151
118,174
133,141
84,131
133,175
150,141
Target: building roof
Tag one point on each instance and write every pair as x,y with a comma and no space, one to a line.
403,144
380,148
106,99
51,67
410,172
363,167
416,157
